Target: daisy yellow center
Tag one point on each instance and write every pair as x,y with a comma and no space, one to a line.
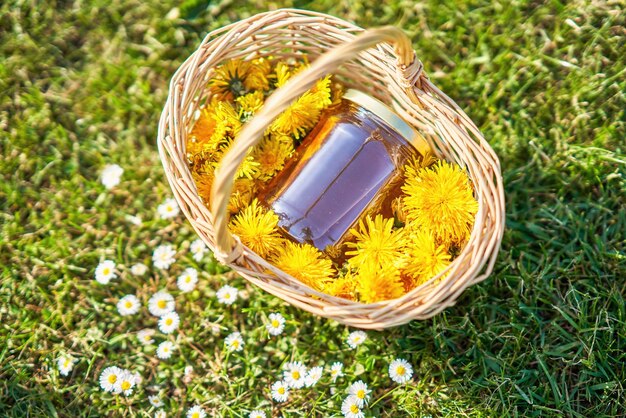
354,409
162,304
401,370
146,338
195,415
169,208
334,372
187,279
281,390
360,394
112,378
295,374
227,296
235,344
275,323
125,385
166,349
66,363
106,271
128,304
169,321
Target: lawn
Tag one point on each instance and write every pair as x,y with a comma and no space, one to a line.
82,86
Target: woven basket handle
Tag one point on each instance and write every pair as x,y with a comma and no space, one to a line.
227,248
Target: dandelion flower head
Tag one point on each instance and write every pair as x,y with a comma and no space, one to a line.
440,199
306,263
376,243
257,229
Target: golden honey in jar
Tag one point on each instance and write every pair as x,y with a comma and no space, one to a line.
349,164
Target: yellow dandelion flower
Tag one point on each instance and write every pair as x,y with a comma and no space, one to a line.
257,229
258,77
249,104
204,182
227,120
342,287
425,257
305,263
247,169
322,93
299,117
201,132
417,163
376,243
229,79
440,199
243,191
375,284
271,155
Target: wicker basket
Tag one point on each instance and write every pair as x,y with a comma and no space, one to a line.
380,62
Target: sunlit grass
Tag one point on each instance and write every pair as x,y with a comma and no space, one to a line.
82,86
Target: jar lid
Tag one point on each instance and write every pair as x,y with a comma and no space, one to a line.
388,116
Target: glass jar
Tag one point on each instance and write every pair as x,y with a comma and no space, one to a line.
349,164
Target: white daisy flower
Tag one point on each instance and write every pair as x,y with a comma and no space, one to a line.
65,365
160,414
135,220
227,295
356,338
198,248
145,336
294,374
161,303
138,269
168,209
257,414
234,342
105,272
155,400
111,175
336,370
187,280
280,391
125,383
276,324
164,350
350,408
312,376
163,256
400,371
128,305
109,377
169,322
196,411
360,391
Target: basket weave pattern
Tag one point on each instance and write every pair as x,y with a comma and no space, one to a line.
379,62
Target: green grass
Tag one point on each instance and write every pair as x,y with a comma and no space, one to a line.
82,85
